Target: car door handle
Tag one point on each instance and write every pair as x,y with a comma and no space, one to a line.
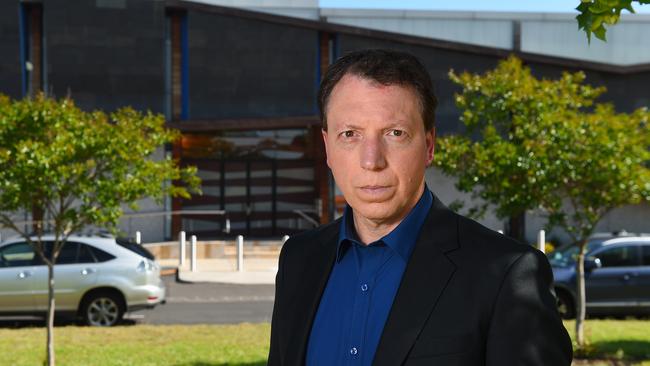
87,271
629,276
24,274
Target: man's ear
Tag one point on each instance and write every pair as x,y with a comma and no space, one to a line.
430,138
327,155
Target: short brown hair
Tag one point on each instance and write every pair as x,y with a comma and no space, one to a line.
386,67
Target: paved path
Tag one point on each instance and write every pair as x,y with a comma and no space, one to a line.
210,303
257,271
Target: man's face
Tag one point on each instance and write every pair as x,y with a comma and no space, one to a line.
377,147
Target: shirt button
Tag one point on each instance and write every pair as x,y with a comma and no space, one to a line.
354,351
364,287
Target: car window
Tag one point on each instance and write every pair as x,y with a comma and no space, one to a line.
85,254
101,255
134,247
68,253
72,252
646,255
17,255
620,256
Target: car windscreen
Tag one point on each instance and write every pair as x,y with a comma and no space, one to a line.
135,247
567,255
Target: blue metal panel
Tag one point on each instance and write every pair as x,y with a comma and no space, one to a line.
185,70
319,72
24,49
336,50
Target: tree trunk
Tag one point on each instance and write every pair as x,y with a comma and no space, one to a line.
581,298
517,226
50,316
37,218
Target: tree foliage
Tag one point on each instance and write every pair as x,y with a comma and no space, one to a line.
546,144
596,14
510,109
81,167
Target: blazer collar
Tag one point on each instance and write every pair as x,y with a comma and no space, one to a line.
317,265
425,278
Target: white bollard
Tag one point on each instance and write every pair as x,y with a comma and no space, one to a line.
193,259
284,239
240,253
541,241
181,249
138,237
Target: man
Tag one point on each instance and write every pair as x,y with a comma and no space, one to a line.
400,279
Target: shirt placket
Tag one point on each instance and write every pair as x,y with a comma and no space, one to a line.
370,262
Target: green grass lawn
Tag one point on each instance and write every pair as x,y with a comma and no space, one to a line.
191,345
245,344
616,339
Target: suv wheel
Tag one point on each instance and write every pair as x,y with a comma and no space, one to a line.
565,305
102,310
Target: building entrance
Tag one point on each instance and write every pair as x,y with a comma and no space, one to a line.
263,180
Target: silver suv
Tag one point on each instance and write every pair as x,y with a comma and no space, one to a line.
96,279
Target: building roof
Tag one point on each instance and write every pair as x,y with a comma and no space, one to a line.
551,34
535,37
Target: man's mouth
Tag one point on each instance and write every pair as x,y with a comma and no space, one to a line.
375,189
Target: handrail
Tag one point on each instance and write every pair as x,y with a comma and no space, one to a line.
146,214
176,212
303,215
153,214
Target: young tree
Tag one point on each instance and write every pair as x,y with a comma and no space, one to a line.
601,161
78,168
542,144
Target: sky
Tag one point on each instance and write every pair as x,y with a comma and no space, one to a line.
555,6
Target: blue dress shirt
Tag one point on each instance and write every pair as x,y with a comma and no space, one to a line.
360,290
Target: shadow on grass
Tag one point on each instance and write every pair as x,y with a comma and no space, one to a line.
623,349
201,363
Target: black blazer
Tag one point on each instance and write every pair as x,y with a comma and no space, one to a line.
468,296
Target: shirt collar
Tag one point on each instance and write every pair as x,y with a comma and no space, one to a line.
401,239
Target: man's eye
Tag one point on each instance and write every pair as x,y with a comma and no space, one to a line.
348,134
396,133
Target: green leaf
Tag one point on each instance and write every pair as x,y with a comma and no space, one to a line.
600,33
592,13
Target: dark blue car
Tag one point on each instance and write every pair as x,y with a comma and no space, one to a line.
617,277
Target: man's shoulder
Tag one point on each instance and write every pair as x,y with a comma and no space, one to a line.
486,243
492,255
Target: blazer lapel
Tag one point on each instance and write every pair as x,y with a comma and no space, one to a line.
317,267
425,278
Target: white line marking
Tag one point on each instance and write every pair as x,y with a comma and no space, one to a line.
223,299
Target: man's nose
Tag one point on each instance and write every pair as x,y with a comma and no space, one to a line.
372,154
